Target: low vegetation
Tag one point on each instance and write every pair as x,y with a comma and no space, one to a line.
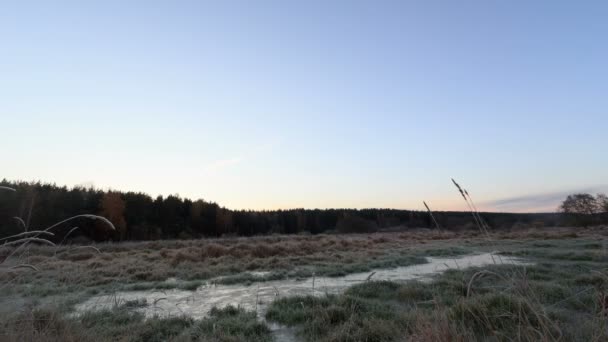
123,324
561,295
111,266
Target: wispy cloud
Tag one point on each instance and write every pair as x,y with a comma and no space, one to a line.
542,202
222,164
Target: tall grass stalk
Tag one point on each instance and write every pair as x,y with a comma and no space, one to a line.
21,241
549,329
474,213
481,220
432,216
20,235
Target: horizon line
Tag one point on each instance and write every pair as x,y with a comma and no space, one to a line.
91,186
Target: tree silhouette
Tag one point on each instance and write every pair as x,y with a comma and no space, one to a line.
138,216
113,208
581,207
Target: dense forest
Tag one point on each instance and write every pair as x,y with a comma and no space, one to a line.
138,216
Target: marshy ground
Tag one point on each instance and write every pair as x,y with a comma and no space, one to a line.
558,295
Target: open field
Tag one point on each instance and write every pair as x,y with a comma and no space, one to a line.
303,171
558,295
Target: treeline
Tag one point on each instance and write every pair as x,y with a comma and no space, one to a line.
137,216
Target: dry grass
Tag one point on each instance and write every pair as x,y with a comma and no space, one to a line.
196,259
436,327
202,259
69,273
560,298
41,325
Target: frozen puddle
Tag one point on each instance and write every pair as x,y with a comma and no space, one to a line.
257,296
198,303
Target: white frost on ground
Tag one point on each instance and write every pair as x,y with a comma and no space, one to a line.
258,296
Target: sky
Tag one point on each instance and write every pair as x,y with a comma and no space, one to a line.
309,104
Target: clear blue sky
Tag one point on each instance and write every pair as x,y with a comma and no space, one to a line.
282,104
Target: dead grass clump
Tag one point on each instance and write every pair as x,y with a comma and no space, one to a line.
277,262
37,259
292,247
151,275
374,253
492,313
253,265
143,276
78,256
380,240
184,255
154,245
266,250
214,250
41,325
443,235
569,235
299,248
240,250
165,253
344,243
436,327
9,276
328,241
105,257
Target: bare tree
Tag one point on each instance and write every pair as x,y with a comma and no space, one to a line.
581,207
602,202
